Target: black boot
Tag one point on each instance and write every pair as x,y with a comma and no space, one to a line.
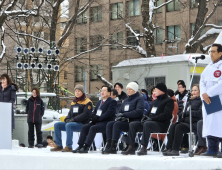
143,151
164,152
108,145
112,148
84,149
129,151
172,153
77,149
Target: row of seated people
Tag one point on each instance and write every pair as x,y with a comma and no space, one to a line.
111,118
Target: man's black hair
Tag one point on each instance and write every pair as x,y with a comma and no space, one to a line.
180,81
136,82
108,88
144,91
114,91
219,47
49,137
183,85
119,84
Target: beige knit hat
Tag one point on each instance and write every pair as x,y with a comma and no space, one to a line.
79,87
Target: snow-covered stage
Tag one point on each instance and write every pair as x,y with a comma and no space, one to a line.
25,158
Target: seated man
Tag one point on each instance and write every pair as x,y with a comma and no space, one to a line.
104,112
156,120
79,114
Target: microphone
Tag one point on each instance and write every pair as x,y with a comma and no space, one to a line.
202,57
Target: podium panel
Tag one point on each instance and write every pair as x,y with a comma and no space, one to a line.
5,126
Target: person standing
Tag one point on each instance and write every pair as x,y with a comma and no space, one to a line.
210,86
35,110
8,93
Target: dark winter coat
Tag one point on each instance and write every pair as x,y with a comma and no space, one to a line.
181,96
9,96
136,107
122,96
35,110
146,104
163,115
83,115
108,110
196,110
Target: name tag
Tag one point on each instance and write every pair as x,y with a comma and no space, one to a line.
99,112
153,111
75,109
126,108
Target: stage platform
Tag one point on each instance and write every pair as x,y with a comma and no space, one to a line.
29,159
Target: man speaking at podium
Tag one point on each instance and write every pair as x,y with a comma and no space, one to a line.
211,94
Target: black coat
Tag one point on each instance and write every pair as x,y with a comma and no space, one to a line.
165,106
108,110
9,96
122,96
35,110
136,107
196,110
85,108
181,96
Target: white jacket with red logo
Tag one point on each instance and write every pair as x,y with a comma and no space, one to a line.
211,83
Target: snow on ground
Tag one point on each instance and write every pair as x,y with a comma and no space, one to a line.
25,158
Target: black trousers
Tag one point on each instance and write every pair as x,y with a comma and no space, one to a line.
201,140
175,135
147,128
88,132
31,133
113,129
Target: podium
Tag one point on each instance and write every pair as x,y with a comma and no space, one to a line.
5,125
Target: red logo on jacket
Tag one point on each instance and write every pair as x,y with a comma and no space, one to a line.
217,73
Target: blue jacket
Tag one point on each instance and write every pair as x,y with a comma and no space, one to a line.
146,104
108,110
136,107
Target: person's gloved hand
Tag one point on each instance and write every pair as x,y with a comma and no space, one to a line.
72,120
118,119
145,119
95,118
67,120
119,115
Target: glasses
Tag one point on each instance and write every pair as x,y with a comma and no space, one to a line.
211,52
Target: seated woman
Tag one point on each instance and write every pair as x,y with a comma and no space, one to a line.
183,125
131,110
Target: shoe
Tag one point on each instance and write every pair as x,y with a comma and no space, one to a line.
219,155
209,153
108,145
57,148
164,152
112,149
200,150
143,151
172,153
84,149
67,149
30,146
39,146
184,150
77,149
129,151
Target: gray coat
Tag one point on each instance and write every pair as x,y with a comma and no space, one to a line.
9,95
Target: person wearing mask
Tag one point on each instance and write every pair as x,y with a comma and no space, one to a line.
79,114
183,126
131,110
121,94
210,86
35,110
8,93
156,120
103,113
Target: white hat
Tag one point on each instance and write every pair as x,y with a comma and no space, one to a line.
133,86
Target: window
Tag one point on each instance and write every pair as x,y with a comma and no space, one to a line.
196,79
22,19
22,2
133,8
220,23
158,3
192,25
111,73
173,32
116,37
95,69
46,36
158,36
153,81
63,25
194,3
220,3
117,10
96,14
82,19
36,2
65,74
80,44
173,6
95,41
80,71
131,39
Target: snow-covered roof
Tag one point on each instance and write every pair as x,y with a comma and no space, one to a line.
165,59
